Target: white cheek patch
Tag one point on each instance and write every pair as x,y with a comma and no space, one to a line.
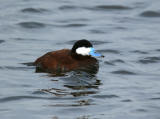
83,51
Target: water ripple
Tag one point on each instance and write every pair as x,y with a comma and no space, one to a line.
113,62
140,52
71,20
28,63
68,7
72,25
110,7
141,110
75,25
38,92
148,60
26,39
157,98
123,72
31,25
4,110
34,10
94,42
16,68
109,51
150,14
61,92
83,93
15,98
126,100
109,63
97,31
118,61
105,96
158,50
77,103
2,41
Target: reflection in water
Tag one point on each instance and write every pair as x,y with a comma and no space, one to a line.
74,104
81,83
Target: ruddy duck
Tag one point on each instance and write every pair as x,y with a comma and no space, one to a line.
81,56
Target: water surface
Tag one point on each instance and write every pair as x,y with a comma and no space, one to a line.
127,84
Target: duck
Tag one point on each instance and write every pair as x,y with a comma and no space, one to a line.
82,56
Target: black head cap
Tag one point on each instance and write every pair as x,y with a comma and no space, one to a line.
81,43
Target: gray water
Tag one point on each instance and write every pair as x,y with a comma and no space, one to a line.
126,32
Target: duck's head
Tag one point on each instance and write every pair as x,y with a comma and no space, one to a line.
84,48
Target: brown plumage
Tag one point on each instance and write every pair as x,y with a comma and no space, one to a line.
63,61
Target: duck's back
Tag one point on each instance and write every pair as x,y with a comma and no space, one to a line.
62,61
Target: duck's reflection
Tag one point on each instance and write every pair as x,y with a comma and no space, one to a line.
76,83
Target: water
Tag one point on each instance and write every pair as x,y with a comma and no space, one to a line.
125,31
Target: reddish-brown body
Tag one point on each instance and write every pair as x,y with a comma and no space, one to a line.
63,61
